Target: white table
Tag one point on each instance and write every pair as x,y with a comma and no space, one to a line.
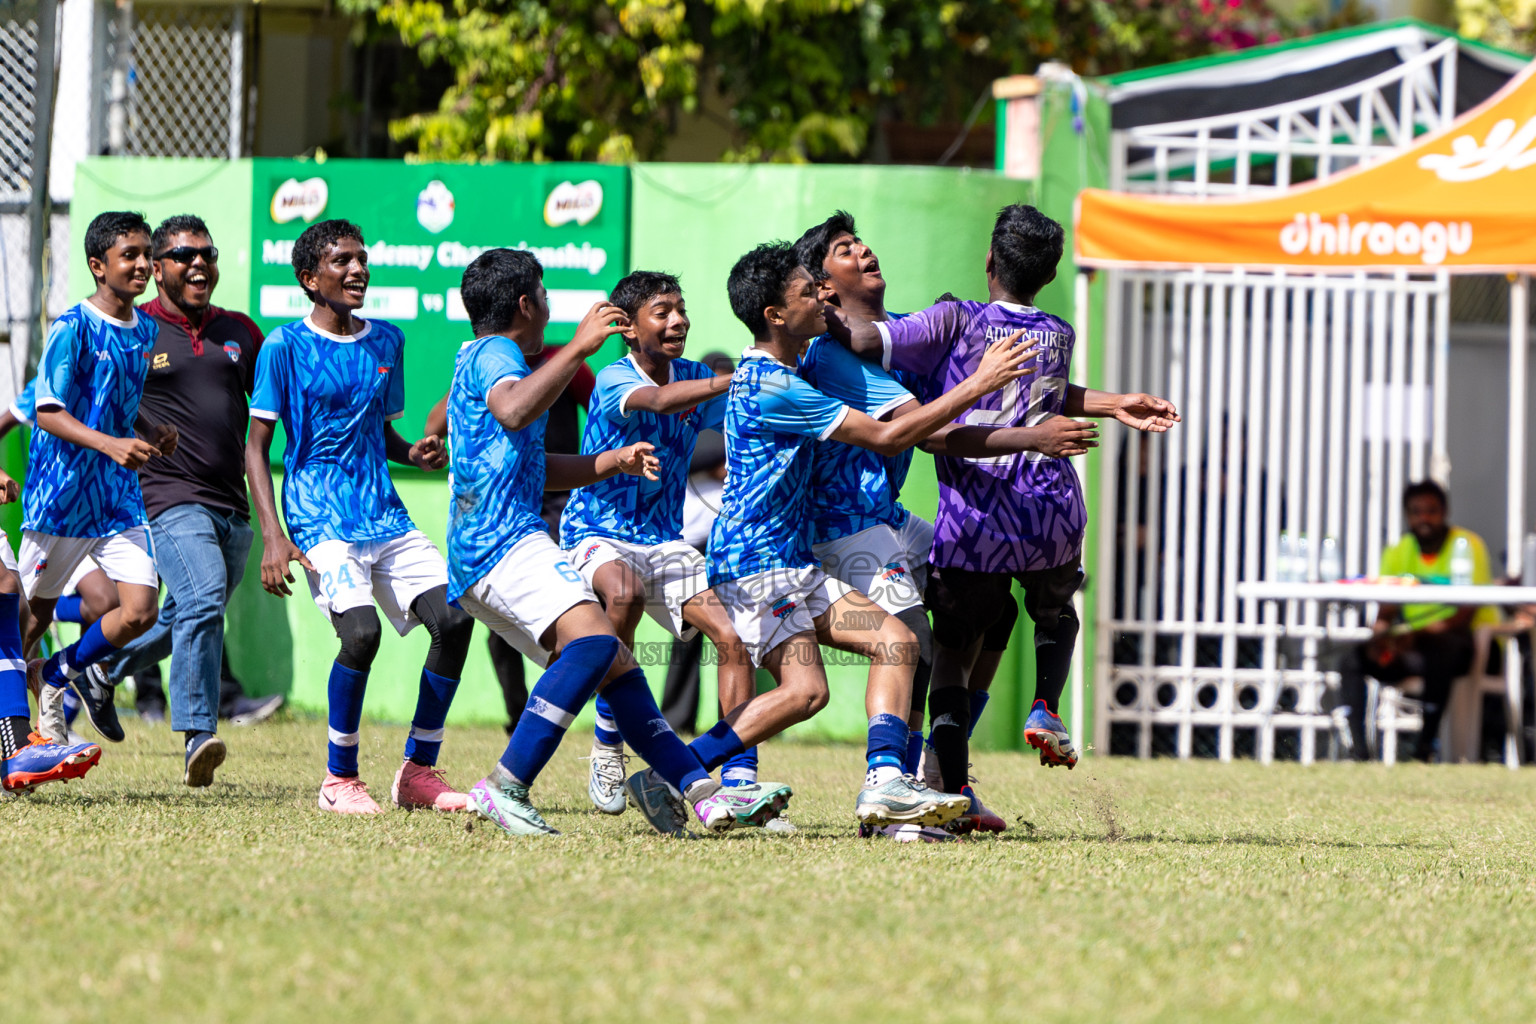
1425,593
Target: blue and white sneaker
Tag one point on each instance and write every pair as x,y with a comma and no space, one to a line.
656,802
605,778
505,802
740,806
1046,733
43,761
96,694
906,801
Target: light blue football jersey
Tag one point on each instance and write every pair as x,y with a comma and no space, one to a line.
853,488
497,480
24,405
632,508
93,367
334,395
772,419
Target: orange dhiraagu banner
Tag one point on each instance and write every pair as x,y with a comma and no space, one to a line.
1463,199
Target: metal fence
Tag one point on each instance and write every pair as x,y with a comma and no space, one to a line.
177,88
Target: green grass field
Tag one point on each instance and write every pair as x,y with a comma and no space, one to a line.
1123,891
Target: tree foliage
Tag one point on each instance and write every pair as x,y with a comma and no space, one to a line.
804,79
1507,23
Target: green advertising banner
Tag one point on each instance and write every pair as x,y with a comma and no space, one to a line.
423,224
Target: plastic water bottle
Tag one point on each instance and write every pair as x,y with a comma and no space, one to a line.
1285,559
1330,566
1528,564
1301,564
1461,562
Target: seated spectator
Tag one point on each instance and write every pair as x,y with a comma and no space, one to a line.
1431,641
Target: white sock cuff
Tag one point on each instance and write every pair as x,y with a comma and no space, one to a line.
547,711
343,739
427,735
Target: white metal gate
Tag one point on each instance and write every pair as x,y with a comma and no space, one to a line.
1309,401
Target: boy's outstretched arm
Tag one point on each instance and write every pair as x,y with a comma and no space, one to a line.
1134,409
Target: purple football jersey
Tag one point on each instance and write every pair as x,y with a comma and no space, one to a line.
1009,513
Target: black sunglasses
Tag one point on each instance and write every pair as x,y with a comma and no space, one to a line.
188,253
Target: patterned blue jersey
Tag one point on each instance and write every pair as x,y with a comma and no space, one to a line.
24,405
334,395
632,508
93,367
497,481
854,488
772,419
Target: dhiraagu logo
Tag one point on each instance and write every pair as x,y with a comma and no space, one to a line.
569,202
300,200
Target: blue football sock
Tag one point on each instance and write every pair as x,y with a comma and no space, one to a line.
13,667
979,700
887,741
67,609
642,723
914,752
717,746
344,715
741,769
606,730
561,691
92,646
432,702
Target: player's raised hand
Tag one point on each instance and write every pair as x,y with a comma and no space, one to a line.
277,558
129,452
429,453
1146,412
1062,437
637,460
9,489
602,321
1004,361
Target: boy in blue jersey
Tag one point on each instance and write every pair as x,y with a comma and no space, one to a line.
760,561
82,496
624,534
507,572
862,534
337,382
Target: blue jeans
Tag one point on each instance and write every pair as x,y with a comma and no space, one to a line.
200,553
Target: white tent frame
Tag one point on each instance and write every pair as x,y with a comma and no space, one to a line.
1315,377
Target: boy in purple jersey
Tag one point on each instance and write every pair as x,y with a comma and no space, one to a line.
863,536
1008,517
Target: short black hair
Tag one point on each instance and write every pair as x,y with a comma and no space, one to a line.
492,285
106,228
811,249
1026,246
718,361
1427,489
190,223
316,240
638,287
758,281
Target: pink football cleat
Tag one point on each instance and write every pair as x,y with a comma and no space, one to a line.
346,796
419,786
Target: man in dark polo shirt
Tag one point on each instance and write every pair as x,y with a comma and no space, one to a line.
200,376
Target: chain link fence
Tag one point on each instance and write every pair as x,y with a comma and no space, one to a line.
185,81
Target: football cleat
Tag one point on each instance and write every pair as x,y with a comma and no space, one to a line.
605,781
1046,733
42,761
906,801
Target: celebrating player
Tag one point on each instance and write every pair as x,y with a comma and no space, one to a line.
82,497
336,381
1006,517
508,573
760,560
624,533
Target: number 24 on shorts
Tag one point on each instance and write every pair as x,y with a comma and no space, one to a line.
340,578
